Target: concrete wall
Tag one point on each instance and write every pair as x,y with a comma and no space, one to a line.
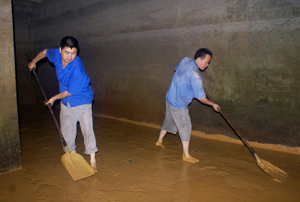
24,35
10,152
130,49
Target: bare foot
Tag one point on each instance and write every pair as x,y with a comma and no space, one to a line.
190,159
159,144
94,166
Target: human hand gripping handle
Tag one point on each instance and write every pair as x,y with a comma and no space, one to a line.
50,101
216,107
58,97
38,57
206,100
32,65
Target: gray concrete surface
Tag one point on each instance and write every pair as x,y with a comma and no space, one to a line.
10,151
130,49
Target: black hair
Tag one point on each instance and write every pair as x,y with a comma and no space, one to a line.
202,52
69,41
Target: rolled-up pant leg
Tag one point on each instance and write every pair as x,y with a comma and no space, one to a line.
177,120
183,122
169,123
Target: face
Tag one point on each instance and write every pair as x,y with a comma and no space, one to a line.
203,64
68,54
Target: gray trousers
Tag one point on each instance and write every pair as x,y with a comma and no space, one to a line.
69,117
177,120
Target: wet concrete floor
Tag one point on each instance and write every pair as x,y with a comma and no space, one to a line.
132,168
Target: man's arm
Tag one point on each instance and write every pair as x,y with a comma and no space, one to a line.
58,97
208,102
38,57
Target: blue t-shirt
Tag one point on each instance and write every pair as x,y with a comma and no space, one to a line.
186,84
72,79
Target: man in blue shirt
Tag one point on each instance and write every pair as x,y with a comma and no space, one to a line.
185,86
75,93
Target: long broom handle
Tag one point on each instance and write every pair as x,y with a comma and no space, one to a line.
236,132
50,109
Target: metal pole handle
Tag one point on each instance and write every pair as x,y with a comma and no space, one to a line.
50,109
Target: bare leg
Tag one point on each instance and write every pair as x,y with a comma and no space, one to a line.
162,134
185,147
93,162
186,155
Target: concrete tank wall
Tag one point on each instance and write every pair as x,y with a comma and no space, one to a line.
24,35
10,151
130,49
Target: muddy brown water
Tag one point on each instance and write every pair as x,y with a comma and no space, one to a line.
132,168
